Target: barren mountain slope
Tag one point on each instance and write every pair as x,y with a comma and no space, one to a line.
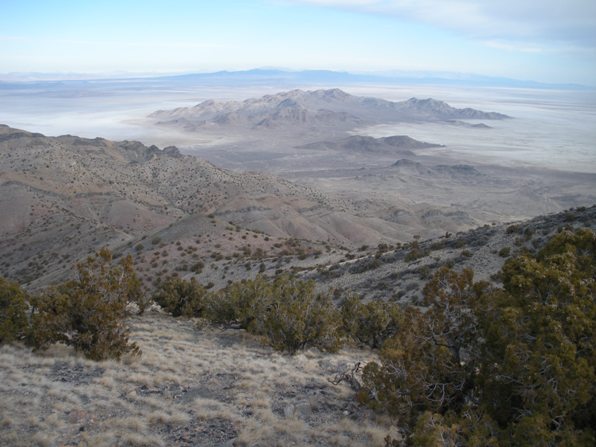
316,110
396,145
67,196
399,274
64,197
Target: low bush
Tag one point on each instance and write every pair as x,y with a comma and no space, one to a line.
365,265
370,323
13,312
88,312
504,252
507,366
298,317
181,298
286,311
416,252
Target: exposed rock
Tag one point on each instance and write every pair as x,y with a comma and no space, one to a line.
172,151
303,409
314,109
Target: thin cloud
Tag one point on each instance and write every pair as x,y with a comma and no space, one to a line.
570,20
513,46
118,43
532,47
12,38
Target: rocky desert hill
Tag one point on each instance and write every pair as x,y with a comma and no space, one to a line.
398,273
64,197
316,110
395,145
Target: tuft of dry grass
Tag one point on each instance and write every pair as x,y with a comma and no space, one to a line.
205,387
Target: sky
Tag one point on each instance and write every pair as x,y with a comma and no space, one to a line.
540,40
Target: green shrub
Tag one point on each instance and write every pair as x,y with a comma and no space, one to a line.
383,247
299,318
366,264
197,267
541,328
369,323
498,366
504,252
426,362
13,308
511,229
286,311
416,252
89,312
181,298
243,303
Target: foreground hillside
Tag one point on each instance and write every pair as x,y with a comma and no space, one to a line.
205,387
439,369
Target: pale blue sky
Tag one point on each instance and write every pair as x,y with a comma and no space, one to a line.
547,40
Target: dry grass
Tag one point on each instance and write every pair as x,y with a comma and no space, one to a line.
205,387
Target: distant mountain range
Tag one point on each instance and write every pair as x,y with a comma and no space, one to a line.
316,109
281,77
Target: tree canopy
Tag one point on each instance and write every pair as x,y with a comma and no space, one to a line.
510,365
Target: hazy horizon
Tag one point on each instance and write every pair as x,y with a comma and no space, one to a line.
386,76
545,42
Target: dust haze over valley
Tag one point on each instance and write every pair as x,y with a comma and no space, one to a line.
388,242
470,171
